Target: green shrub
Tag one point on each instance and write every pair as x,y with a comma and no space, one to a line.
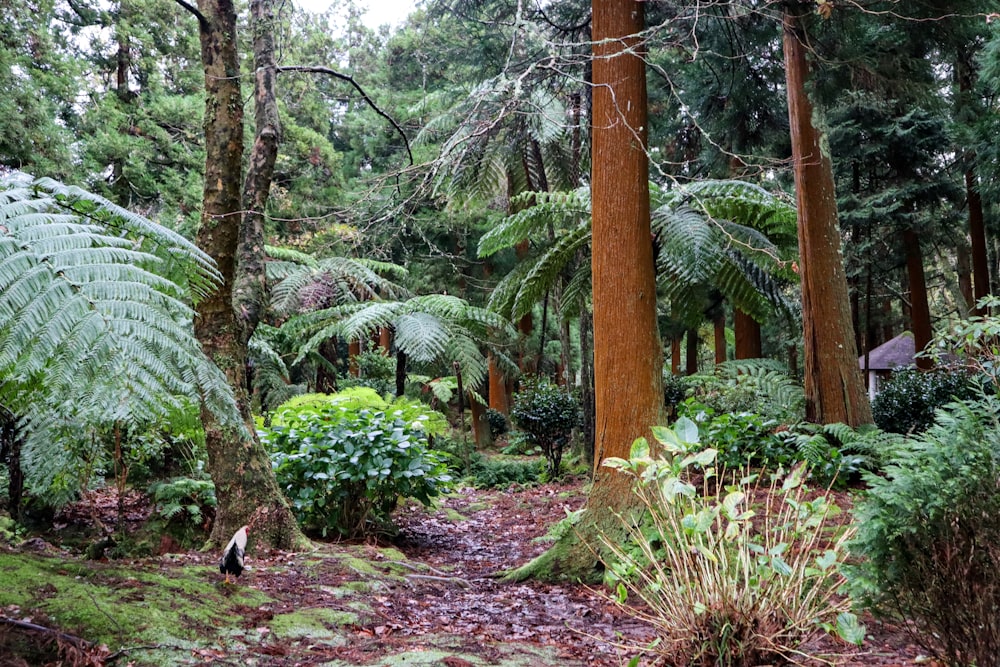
907,400
929,536
548,415
492,472
344,470
417,413
740,438
674,390
723,580
497,421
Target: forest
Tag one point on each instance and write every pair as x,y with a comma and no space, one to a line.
524,332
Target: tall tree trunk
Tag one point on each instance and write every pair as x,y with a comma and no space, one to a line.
747,332
400,372
353,350
245,486
628,379
920,313
835,390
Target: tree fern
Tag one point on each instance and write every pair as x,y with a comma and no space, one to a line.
82,312
95,321
434,327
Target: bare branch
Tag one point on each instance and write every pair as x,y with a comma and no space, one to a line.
194,10
350,79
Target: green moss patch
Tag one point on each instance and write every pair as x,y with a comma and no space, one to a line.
318,624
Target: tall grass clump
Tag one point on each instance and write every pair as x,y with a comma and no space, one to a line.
732,569
928,539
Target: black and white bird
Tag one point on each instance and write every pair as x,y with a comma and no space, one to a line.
232,556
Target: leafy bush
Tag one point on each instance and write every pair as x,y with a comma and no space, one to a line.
492,472
929,535
548,415
740,438
725,580
674,390
497,421
417,413
908,399
343,470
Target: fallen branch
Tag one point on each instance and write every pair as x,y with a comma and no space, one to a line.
76,651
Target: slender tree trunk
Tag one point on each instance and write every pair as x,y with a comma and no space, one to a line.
587,386
10,453
920,313
244,482
691,353
353,350
966,74
719,336
400,372
835,390
628,379
497,386
482,436
963,267
747,332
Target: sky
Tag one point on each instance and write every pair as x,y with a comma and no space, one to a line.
379,11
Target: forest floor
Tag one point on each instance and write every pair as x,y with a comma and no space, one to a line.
431,598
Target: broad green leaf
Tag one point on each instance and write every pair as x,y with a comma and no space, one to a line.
850,629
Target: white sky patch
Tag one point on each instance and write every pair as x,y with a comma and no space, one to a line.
377,12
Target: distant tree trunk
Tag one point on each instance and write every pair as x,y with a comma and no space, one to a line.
747,332
400,372
691,353
353,350
920,313
497,386
719,336
966,74
244,482
675,356
627,377
963,267
10,453
587,386
835,389
385,340
482,436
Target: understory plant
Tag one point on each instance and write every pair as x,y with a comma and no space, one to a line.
928,539
344,470
738,570
547,414
907,400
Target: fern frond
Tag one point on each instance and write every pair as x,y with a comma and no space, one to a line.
83,316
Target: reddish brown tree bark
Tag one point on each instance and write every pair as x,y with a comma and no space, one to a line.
719,337
835,389
628,379
747,333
